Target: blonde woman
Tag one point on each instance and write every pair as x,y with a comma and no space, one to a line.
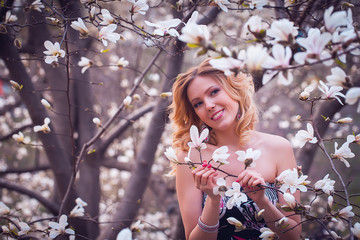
207,98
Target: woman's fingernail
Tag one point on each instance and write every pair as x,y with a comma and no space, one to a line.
237,180
204,164
209,166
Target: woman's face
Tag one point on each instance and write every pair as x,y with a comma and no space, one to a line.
211,103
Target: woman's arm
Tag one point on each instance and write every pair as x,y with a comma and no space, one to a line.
189,187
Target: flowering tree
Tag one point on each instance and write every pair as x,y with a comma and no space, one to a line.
56,56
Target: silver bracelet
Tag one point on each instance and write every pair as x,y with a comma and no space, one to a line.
207,228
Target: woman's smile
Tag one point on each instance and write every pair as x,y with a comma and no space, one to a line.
217,115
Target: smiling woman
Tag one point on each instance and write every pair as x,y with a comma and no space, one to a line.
223,107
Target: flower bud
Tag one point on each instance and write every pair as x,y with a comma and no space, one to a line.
15,85
330,201
127,101
97,121
17,43
3,29
344,120
298,117
165,94
46,103
136,97
92,13
304,96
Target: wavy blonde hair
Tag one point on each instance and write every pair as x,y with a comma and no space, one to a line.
239,87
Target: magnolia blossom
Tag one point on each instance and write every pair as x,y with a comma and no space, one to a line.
330,201
19,137
92,13
220,187
267,234
228,64
303,136
9,18
165,27
290,200
280,60
171,155
254,26
325,184
281,31
334,20
127,101
248,157
107,33
80,26
337,78
221,155
343,152
139,6
97,121
53,52
291,180
236,196
352,96
122,62
59,228
124,234
107,18
356,230
238,225
4,210
37,5
332,92
24,228
166,94
195,34
304,95
45,103
344,120
314,44
221,4
259,4
78,210
85,63
196,140
346,212
255,57
43,128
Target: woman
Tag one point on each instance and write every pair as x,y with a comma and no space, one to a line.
204,96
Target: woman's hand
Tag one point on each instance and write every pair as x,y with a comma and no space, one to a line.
204,179
251,180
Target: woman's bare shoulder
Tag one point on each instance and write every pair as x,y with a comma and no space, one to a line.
273,141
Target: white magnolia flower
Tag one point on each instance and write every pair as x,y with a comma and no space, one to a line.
220,187
346,212
325,184
107,33
303,136
43,128
45,103
195,34
92,13
282,31
85,63
124,234
334,20
221,155
171,155
107,18
80,26
259,4
60,228
249,156
281,59
78,210
337,78
315,47
19,137
332,92
9,18
97,121
196,140
290,200
37,5
166,94
291,180
228,64
356,230
4,210
255,57
267,234
221,4
165,27
122,62
352,96
304,95
238,225
254,26
127,101
53,51
343,152
236,196
24,228
139,6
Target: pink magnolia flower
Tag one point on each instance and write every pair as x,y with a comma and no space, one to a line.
254,26
333,20
281,59
315,47
281,31
165,27
139,6
337,78
255,57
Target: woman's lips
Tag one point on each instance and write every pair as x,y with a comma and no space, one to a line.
217,115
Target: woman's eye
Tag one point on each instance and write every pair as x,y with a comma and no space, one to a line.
197,104
214,92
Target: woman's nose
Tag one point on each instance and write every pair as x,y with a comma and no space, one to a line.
209,104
